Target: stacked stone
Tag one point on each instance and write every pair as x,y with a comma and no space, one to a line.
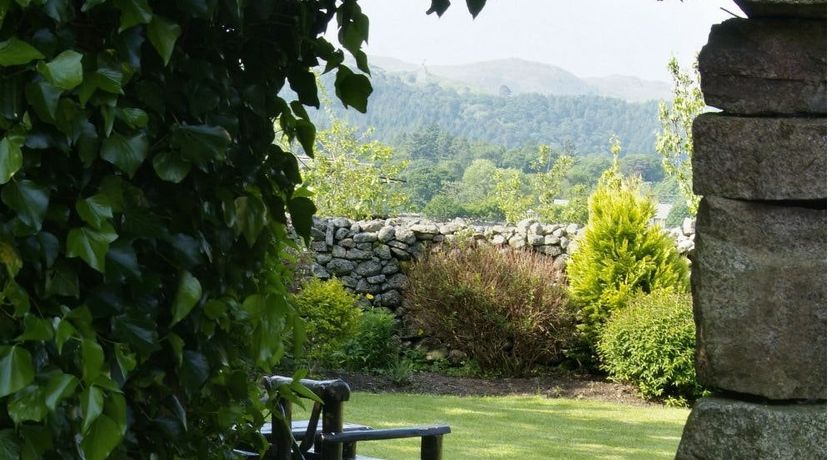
758,275
684,236
366,255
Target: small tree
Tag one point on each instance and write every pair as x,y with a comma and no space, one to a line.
620,253
674,142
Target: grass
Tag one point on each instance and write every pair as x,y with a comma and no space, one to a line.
521,427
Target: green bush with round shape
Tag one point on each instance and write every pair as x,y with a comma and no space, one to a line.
331,315
375,346
651,343
508,310
620,253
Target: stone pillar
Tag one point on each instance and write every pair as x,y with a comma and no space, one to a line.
759,268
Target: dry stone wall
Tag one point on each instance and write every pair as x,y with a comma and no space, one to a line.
367,255
758,276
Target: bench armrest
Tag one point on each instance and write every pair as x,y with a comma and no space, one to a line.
391,433
328,390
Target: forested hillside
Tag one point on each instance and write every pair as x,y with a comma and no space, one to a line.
398,107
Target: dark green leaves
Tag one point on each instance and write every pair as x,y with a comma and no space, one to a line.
92,357
353,89
301,211
28,199
201,143
188,294
134,12
27,405
65,71
250,217
104,435
170,167
16,370
11,157
17,52
439,7
127,153
95,210
91,245
44,98
60,386
92,404
475,6
163,35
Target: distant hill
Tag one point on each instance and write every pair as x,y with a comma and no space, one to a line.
518,76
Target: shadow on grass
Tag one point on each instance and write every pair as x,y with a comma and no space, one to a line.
522,427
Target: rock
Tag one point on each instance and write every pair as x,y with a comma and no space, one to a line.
318,246
339,252
437,355
349,281
397,281
535,229
383,252
551,250
688,226
400,254
391,267
389,299
438,239
364,287
330,234
517,242
572,229
424,228
685,245
378,279
316,234
322,259
358,254
783,8
535,240
347,243
398,244
365,237
457,357
726,429
355,227
320,272
559,232
341,222
524,224
449,228
573,245
765,66
371,226
365,246
341,233
386,233
564,242
561,262
499,240
405,235
551,239
759,290
757,158
340,267
368,268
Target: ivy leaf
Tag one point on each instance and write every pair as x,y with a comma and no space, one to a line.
170,167
10,259
139,333
17,52
475,7
108,80
127,153
115,407
27,405
250,217
28,199
95,210
44,98
16,370
134,12
8,444
301,212
125,359
62,280
59,387
305,132
63,332
201,143
35,329
103,437
439,7
188,294
11,157
135,118
91,245
353,89
65,71
92,357
92,404
163,35
90,4
194,371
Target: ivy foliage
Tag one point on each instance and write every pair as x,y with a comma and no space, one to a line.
141,193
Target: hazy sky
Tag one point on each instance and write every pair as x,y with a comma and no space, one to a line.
586,37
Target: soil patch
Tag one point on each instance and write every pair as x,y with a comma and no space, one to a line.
551,386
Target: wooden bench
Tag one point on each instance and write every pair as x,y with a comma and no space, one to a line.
325,436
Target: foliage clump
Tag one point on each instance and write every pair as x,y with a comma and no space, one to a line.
620,253
508,310
331,316
650,342
375,346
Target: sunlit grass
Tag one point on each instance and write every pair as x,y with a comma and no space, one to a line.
521,427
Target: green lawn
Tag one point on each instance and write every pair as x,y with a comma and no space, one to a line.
521,427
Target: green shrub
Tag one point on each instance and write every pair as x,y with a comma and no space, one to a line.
620,254
651,343
331,316
375,345
505,309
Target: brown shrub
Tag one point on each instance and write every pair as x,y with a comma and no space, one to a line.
506,309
